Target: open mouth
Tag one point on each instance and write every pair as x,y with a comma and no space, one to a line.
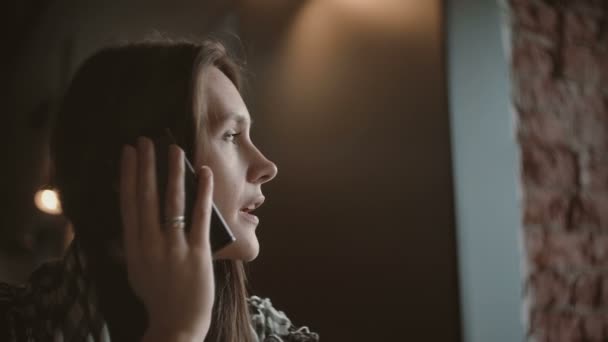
247,214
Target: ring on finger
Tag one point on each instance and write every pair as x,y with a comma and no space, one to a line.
175,222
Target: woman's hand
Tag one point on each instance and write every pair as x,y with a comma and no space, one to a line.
169,270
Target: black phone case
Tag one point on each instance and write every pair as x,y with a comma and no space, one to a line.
220,233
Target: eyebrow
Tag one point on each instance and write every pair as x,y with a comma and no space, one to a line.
238,117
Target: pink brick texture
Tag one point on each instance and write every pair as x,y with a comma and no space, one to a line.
559,74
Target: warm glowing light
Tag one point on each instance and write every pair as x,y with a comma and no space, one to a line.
47,201
324,35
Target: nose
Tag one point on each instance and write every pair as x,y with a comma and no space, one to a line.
261,170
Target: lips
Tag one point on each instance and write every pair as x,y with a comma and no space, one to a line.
250,217
247,210
253,204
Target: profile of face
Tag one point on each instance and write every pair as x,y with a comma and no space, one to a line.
239,168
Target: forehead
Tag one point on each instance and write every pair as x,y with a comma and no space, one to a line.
221,98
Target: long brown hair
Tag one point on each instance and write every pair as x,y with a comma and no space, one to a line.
118,94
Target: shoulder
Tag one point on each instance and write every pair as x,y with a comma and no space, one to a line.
10,296
20,303
8,292
272,325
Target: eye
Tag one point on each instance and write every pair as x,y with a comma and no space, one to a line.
231,136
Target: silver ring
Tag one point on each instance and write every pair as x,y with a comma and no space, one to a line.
176,222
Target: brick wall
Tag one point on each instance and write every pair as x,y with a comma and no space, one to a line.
559,63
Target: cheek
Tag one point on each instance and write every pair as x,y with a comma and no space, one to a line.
226,192
223,185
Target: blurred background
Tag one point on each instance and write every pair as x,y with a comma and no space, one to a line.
376,167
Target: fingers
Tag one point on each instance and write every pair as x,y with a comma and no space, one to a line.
140,204
128,198
175,197
147,194
201,216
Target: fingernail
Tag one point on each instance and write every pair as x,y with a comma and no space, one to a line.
125,149
205,171
141,141
178,149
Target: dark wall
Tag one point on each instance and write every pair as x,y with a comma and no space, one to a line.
357,234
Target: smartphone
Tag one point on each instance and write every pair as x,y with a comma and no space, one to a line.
220,233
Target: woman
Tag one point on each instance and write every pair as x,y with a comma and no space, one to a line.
128,276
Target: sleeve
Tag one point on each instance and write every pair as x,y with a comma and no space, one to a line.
272,325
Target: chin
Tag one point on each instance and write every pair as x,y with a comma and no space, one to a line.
244,248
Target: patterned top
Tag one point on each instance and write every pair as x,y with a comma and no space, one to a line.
59,303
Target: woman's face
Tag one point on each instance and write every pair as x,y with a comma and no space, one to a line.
239,168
